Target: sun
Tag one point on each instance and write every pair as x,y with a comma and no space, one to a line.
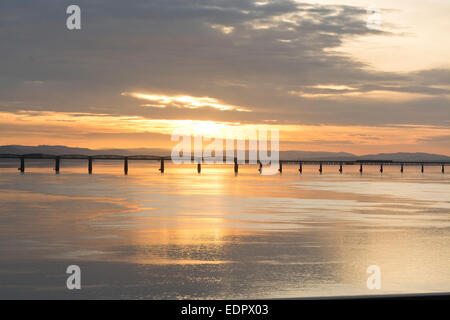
209,129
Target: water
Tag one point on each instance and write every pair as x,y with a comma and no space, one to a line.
217,235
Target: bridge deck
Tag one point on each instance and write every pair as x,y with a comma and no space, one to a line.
158,158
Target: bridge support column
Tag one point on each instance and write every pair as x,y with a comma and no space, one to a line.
90,165
57,160
381,168
125,165
443,168
340,168
199,167
280,169
401,168
301,168
161,166
22,164
360,168
422,169
236,166
320,168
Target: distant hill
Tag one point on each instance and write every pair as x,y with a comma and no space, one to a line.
60,150
313,155
404,156
16,149
399,156
285,155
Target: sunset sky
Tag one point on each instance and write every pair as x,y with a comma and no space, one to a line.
137,70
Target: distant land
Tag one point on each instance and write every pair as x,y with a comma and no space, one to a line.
285,155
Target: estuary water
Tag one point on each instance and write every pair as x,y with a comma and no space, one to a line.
181,235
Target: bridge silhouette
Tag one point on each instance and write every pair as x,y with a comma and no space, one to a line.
199,161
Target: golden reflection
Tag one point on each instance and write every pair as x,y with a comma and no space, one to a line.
319,231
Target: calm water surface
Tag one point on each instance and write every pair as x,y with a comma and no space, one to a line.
217,235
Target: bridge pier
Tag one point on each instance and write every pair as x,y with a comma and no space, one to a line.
57,160
280,169
320,168
199,167
161,166
22,164
301,168
236,166
90,165
401,168
422,169
125,165
340,168
443,168
381,168
360,168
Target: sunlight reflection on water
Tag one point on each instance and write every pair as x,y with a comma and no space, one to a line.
217,235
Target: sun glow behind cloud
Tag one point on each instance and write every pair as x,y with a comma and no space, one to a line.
223,29
73,128
183,101
382,95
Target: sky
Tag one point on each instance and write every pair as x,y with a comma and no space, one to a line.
137,70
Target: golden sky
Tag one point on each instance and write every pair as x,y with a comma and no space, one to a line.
313,70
